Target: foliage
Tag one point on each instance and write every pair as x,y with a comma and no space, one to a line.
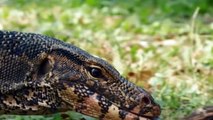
166,46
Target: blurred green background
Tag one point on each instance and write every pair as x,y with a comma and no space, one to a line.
165,46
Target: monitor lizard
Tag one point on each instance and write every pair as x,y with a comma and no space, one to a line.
42,75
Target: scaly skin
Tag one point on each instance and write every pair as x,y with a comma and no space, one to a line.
42,75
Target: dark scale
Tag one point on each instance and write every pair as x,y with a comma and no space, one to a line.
82,91
122,114
70,56
105,104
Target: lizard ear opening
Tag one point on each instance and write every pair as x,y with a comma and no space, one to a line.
44,67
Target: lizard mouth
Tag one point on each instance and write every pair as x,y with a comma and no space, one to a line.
98,106
83,100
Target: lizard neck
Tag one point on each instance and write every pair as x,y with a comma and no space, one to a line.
32,100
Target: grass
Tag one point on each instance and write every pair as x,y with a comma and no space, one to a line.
165,48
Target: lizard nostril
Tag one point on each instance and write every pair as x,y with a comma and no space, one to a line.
146,100
156,110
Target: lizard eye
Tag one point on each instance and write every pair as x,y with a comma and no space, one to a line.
95,72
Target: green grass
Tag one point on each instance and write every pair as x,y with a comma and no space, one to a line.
164,46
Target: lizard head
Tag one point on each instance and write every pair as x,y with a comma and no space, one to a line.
107,82
90,85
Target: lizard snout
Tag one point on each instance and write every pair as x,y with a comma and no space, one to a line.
146,105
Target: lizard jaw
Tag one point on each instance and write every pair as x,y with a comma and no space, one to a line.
112,112
95,105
